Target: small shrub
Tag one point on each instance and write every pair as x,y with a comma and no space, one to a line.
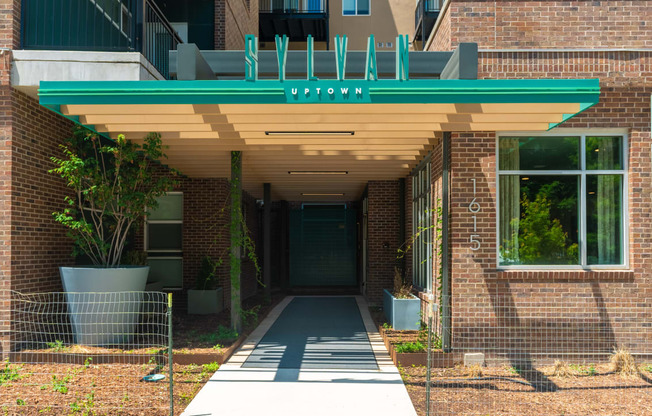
474,371
210,368
402,290
562,370
408,347
386,325
623,363
56,346
9,373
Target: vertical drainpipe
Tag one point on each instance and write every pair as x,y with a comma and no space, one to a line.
445,253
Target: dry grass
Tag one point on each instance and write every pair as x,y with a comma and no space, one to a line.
562,369
474,371
623,363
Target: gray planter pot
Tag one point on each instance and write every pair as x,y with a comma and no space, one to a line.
204,302
104,304
402,313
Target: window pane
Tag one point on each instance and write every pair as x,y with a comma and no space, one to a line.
348,7
604,153
164,236
539,153
363,7
539,220
170,207
167,271
604,234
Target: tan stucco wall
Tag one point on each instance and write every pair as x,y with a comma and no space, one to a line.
388,19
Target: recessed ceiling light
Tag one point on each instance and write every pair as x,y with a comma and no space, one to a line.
525,179
320,194
309,133
318,172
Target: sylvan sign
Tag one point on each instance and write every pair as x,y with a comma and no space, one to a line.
370,71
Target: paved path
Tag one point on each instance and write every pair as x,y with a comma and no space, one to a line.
310,356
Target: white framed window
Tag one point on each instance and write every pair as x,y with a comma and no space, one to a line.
562,200
164,241
422,248
356,7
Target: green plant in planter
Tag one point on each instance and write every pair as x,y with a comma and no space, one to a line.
113,187
207,276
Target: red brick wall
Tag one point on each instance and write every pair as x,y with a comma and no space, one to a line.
536,24
383,239
603,303
233,20
39,244
442,37
206,232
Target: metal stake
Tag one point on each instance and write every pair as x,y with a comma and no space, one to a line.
170,360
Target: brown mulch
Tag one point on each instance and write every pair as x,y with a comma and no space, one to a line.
106,389
587,392
118,388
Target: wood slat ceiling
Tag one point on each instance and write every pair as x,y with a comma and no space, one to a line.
387,140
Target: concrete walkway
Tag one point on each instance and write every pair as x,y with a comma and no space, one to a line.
262,378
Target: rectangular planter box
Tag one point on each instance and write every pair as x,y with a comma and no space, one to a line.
204,302
402,313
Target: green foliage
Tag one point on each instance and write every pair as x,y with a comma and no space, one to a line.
648,368
386,325
56,346
9,373
210,367
540,239
135,258
20,402
113,187
584,370
85,406
207,276
406,347
250,316
421,234
221,334
60,385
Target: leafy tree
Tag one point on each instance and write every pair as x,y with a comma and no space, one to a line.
113,186
541,239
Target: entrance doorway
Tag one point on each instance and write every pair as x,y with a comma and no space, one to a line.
323,246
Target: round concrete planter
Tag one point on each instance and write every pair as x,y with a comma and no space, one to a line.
98,313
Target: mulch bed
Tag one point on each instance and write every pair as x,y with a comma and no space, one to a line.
65,381
453,392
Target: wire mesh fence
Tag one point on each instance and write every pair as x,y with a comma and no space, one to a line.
86,353
528,354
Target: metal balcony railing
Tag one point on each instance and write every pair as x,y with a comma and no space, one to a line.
426,6
292,6
99,25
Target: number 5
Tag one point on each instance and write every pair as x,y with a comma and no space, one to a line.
474,239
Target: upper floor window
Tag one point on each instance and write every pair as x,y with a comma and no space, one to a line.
561,200
356,7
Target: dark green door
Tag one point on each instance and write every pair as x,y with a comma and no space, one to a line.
323,246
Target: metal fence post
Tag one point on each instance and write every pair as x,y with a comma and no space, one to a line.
170,358
431,310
